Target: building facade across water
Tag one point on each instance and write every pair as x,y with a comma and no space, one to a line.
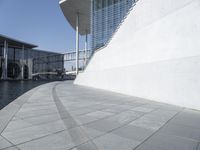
18,60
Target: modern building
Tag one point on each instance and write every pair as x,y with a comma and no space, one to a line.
147,49
18,60
107,15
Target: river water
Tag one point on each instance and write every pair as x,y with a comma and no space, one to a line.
10,90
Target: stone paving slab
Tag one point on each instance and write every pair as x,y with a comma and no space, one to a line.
8,112
4,143
63,116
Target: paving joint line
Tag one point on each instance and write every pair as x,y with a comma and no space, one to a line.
198,146
13,145
39,137
19,109
111,116
158,129
109,131
37,88
24,119
56,99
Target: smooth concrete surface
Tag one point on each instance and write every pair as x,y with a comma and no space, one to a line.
71,8
64,116
154,54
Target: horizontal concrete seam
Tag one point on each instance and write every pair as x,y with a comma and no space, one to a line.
168,14
146,63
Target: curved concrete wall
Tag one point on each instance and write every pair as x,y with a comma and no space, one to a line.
155,54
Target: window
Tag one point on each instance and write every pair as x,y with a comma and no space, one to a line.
107,15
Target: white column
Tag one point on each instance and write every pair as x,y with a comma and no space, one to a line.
91,26
22,68
5,56
77,43
86,48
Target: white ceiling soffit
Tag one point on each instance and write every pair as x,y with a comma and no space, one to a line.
70,9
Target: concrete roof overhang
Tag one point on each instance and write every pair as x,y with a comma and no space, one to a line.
15,43
70,9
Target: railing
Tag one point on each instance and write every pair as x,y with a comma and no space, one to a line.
71,56
59,64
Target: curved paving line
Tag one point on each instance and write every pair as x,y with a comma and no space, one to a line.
77,134
8,112
198,146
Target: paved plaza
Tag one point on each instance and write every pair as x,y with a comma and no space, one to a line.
63,116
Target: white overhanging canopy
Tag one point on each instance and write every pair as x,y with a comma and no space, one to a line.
72,8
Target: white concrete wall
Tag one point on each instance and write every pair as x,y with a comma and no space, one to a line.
155,54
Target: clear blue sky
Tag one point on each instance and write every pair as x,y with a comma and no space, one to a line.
40,22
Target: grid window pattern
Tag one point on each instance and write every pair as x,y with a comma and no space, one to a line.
49,63
106,17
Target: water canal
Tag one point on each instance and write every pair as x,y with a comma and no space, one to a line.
10,90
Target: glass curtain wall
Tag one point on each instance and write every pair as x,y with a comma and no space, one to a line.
51,63
1,60
106,17
34,60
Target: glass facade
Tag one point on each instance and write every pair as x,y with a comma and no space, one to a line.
49,63
1,60
30,57
106,17
43,62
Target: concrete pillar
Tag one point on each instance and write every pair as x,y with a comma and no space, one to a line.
77,43
91,24
86,49
22,67
5,58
